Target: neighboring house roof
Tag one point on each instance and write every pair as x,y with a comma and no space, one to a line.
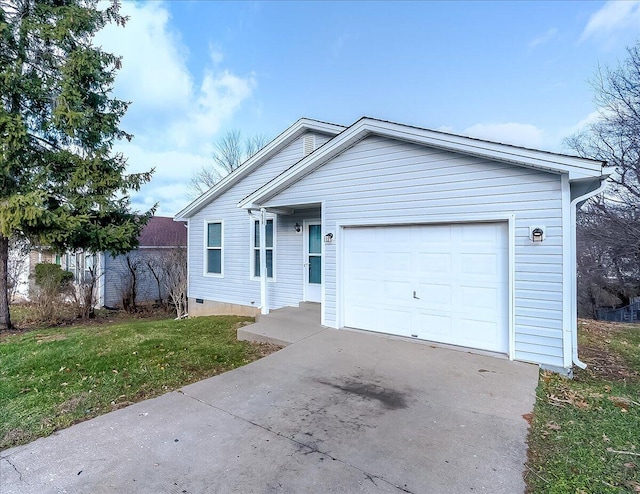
162,231
296,130
576,168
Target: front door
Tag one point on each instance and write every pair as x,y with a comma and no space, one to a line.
312,261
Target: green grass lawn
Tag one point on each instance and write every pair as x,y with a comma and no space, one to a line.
53,378
585,432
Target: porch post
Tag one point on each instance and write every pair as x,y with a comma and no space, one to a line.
264,308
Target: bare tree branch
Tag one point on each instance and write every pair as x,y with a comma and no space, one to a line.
228,155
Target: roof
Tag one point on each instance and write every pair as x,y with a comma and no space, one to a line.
575,167
284,139
162,231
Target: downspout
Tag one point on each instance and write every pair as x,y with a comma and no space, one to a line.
574,277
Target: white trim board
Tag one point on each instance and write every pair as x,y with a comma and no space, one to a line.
577,168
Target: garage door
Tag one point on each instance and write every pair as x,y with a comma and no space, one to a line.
444,283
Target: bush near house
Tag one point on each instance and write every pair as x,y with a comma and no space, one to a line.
585,432
53,378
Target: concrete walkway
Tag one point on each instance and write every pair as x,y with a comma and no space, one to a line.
284,326
338,411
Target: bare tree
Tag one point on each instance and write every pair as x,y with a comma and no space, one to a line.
131,281
609,225
85,292
175,279
229,153
155,266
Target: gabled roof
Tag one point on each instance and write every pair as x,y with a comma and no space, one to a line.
577,168
162,231
284,139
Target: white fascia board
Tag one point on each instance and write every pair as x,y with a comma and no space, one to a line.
576,168
256,160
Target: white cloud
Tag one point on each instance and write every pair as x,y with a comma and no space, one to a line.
154,74
216,54
169,184
543,38
518,134
585,122
608,22
220,95
175,113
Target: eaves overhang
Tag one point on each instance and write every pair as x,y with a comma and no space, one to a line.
575,167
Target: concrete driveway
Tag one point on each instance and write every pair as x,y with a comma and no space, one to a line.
340,411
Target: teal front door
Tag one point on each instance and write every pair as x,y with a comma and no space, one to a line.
313,261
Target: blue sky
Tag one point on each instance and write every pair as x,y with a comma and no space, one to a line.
515,72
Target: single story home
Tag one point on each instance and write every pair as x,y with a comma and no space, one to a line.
159,236
400,230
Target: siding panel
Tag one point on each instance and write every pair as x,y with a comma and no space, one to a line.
380,180
238,286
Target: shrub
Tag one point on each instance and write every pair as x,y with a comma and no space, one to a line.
52,284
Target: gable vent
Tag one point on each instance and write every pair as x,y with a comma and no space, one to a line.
308,144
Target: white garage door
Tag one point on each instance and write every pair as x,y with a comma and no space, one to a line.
444,283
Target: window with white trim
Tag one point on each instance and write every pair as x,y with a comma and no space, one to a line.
255,242
214,248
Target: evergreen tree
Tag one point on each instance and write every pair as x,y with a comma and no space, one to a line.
62,185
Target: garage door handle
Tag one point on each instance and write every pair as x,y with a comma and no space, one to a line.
415,296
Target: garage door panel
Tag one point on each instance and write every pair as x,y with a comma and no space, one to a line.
393,261
396,292
479,234
480,334
479,264
384,321
434,295
433,326
458,272
360,260
435,263
435,234
427,324
478,297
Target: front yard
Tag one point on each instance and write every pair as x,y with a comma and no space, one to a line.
585,432
53,378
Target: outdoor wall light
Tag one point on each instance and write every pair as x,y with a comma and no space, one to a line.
536,234
297,227
328,238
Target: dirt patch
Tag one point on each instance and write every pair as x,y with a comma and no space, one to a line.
46,338
72,403
606,365
15,436
264,349
602,362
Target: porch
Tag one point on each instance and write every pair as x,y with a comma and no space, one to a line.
284,326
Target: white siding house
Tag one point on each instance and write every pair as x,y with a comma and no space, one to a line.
400,230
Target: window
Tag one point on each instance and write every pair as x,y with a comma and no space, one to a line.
268,246
214,248
89,267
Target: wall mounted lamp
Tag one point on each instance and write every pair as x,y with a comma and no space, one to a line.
536,234
297,227
328,238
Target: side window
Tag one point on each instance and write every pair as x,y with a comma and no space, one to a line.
268,246
214,242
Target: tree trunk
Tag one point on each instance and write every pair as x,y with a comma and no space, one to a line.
5,319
